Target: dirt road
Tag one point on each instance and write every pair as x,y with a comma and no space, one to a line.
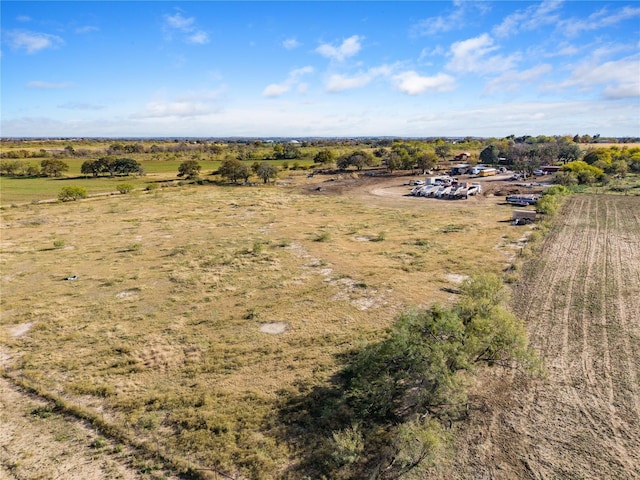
581,302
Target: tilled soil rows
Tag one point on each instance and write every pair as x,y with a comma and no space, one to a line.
580,299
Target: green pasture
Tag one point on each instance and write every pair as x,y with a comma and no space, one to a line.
17,190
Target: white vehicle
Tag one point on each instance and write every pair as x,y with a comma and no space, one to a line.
416,182
462,192
445,191
474,189
430,191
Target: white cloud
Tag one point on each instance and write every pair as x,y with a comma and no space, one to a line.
618,78
441,24
412,83
80,106
436,51
471,56
179,22
87,29
512,80
37,84
348,48
599,19
198,38
187,105
174,109
32,42
291,43
531,18
187,27
23,18
338,83
277,89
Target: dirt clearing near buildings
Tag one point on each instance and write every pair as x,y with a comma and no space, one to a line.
580,299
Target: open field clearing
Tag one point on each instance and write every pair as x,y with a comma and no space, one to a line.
193,313
581,301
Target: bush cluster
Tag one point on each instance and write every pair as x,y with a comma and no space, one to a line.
396,396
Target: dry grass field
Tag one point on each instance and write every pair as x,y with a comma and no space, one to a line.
196,311
580,298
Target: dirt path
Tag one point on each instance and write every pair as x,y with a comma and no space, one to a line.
581,302
37,443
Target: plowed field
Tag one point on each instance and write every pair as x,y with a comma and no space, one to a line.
580,299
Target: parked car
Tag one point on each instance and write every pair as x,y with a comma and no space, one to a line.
539,172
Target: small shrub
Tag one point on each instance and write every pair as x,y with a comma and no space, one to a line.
348,445
58,243
379,238
134,247
321,237
453,228
98,443
124,187
72,192
152,187
43,412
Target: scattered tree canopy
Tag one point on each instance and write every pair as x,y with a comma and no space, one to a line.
52,167
233,170
189,169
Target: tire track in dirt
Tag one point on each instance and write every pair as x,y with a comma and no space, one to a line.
584,389
579,298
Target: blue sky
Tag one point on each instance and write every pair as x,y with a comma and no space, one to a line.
320,68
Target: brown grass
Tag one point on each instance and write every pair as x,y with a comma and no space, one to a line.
161,331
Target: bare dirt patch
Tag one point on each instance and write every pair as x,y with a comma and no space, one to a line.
20,330
274,328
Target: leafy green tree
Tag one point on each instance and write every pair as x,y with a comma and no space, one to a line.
52,167
442,149
267,171
598,155
233,170
565,178
189,169
126,166
324,157
489,154
133,148
427,160
9,167
393,161
586,174
72,192
358,159
568,151
92,167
